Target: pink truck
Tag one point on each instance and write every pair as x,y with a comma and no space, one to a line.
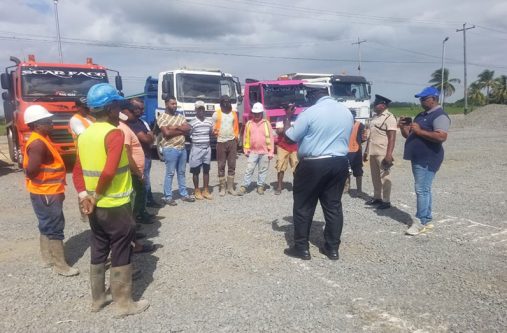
274,95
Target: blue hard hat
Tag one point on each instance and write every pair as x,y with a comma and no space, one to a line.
428,91
101,95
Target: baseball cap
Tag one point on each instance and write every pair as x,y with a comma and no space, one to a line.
428,91
199,104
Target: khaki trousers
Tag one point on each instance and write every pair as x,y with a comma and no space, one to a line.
381,179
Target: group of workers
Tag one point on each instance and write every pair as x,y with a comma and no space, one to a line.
114,161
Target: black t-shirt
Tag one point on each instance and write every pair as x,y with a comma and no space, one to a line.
138,126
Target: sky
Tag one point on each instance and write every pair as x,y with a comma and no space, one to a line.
263,39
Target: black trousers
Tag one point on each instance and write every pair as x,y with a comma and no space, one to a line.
140,197
319,180
113,230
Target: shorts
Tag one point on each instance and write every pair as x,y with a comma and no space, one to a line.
197,170
356,163
284,158
199,155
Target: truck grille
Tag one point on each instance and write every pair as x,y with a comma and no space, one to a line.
60,136
61,118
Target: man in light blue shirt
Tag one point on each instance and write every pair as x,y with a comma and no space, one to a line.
322,133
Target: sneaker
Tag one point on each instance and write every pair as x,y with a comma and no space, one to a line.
384,205
207,195
260,190
415,229
278,192
242,190
170,202
373,202
188,199
198,194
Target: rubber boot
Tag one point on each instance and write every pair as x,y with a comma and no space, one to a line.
359,185
47,260
230,185
60,265
121,288
98,286
222,186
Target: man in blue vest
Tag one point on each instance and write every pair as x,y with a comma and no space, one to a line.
424,149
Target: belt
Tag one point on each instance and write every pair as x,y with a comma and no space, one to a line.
318,157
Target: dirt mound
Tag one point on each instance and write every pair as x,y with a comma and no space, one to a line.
489,116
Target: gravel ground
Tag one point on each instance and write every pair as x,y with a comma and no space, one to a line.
221,267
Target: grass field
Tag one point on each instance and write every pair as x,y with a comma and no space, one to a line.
412,111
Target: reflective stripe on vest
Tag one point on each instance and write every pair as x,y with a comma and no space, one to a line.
93,156
353,144
267,135
218,123
51,177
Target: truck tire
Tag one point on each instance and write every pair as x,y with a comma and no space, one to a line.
10,143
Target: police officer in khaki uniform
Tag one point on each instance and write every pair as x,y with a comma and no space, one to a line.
380,148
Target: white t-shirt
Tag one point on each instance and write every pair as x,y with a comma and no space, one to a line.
76,125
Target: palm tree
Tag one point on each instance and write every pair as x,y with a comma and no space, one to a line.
486,81
436,79
475,94
500,90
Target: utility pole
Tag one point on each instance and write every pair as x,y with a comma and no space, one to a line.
442,90
358,43
58,31
465,28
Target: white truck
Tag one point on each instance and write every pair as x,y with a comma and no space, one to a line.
353,91
191,85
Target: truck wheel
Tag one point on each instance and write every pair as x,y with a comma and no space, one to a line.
10,143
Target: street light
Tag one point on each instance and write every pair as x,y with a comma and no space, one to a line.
58,31
442,90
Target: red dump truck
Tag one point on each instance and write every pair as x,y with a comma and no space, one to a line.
56,86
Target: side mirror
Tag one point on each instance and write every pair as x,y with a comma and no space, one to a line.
6,84
118,82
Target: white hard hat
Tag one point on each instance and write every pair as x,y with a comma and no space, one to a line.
257,108
34,113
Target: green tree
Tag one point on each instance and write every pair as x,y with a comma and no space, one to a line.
499,92
436,80
486,80
475,94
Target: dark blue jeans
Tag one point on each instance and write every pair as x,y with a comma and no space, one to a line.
49,212
147,182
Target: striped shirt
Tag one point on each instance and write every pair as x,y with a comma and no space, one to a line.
166,119
201,131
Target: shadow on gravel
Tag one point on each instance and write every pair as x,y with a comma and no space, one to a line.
396,214
76,246
7,168
316,231
285,185
147,263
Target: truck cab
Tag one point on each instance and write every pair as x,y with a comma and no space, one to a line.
274,95
55,86
351,90
191,85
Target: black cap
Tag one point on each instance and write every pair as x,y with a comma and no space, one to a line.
81,102
225,98
381,100
126,105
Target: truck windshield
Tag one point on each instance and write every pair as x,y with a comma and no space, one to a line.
275,96
51,82
207,88
350,90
